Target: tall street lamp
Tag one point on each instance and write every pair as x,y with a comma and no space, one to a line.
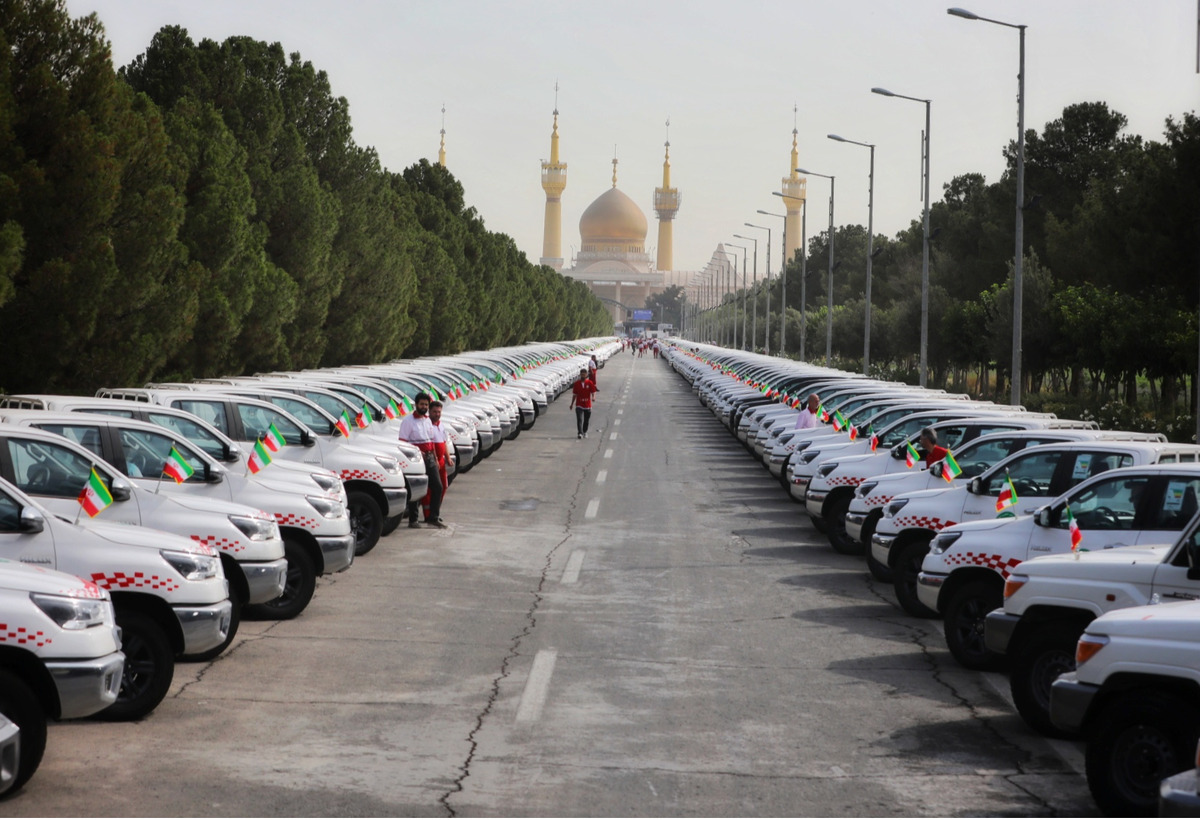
782,283
1019,254
829,286
745,252
803,272
870,247
754,290
767,277
925,243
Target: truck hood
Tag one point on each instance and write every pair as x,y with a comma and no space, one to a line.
215,506
1135,564
971,527
27,578
130,535
1165,622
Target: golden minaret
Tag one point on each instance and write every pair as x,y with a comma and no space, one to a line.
666,204
442,147
793,190
554,181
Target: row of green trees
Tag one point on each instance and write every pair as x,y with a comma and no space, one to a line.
205,210
1111,272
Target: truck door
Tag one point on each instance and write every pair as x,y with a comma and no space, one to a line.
148,452
1032,476
16,544
55,474
1171,582
1106,510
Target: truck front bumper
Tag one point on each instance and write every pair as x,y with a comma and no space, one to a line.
204,627
998,629
265,579
1179,795
397,499
1070,701
337,552
814,502
929,588
854,525
85,687
418,485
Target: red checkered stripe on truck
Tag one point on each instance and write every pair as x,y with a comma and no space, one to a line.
999,563
293,520
844,481
219,543
370,475
135,580
925,522
22,636
877,500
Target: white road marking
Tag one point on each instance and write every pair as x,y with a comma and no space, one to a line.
621,412
608,453
613,437
601,476
838,770
592,508
574,564
537,687
616,422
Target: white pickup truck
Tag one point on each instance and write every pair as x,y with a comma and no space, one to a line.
60,656
169,592
963,575
1135,697
54,469
1049,601
904,533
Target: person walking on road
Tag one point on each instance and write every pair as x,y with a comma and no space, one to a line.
419,430
440,450
808,416
581,399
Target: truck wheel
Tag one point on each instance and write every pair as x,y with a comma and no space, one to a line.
21,706
965,616
1137,741
1035,665
149,667
908,567
835,521
390,525
366,521
235,620
297,589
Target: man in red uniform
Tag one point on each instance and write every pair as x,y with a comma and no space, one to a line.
581,399
929,445
419,430
440,450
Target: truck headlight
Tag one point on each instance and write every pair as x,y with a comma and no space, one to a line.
389,465
809,456
863,490
328,483
192,566
326,507
943,541
74,613
1014,583
254,528
825,469
894,507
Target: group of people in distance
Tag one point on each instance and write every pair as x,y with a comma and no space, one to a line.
931,451
423,428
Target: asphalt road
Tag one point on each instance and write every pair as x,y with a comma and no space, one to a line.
640,623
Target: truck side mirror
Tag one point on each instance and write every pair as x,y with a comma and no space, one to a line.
232,453
121,489
306,438
214,474
1042,516
975,487
32,520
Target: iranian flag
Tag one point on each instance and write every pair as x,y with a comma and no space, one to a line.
406,405
391,410
853,433
874,439
1076,534
911,456
950,468
274,439
823,413
1008,495
177,467
839,421
260,457
343,423
362,419
95,496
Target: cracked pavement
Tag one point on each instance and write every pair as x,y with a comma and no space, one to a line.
713,657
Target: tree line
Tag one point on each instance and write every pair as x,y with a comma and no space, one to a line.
205,210
1111,273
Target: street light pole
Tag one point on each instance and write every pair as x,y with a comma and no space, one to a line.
745,252
829,286
754,290
1019,253
870,250
925,242
783,284
767,334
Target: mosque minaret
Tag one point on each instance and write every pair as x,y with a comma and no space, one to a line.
666,205
442,147
554,182
793,191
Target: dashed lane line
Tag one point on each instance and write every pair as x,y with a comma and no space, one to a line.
574,565
537,687
592,508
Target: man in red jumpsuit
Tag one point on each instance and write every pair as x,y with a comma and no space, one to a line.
440,451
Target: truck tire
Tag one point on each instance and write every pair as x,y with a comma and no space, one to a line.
366,520
965,614
297,589
390,524
1034,665
149,667
1136,741
835,521
21,706
235,620
904,581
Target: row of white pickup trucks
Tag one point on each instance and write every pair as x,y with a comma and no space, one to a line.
139,526
1051,549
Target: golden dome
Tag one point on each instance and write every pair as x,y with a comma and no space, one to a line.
613,218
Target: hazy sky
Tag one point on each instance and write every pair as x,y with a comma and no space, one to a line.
727,75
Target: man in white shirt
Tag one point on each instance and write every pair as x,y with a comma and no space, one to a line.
808,416
419,430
